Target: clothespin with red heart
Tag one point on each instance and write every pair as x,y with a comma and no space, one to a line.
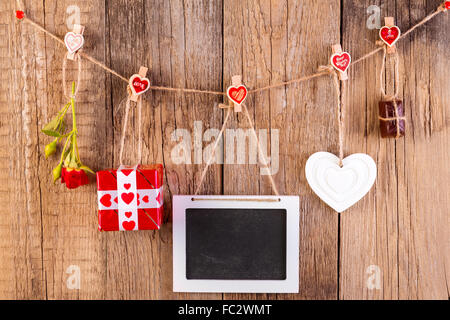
340,60
139,83
74,40
390,34
237,92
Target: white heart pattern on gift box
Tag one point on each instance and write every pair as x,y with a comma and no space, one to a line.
340,188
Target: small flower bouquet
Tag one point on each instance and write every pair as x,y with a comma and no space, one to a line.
70,168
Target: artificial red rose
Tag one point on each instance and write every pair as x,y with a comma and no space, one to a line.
20,14
74,178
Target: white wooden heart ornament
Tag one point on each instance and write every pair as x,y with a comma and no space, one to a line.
340,187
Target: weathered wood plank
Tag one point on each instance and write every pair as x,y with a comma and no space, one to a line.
267,42
23,72
184,51
398,225
69,216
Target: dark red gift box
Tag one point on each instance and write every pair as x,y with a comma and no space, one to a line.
130,198
392,119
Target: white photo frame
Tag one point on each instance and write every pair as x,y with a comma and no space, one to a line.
289,203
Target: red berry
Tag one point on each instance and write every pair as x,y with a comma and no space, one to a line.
20,14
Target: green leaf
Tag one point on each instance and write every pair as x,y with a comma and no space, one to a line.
51,133
86,169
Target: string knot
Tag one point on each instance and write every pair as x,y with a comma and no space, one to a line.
329,68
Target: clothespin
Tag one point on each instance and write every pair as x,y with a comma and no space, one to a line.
237,92
74,40
139,83
340,60
390,34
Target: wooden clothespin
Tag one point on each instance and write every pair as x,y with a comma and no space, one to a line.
74,40
340,60
237,92
390,34
139,83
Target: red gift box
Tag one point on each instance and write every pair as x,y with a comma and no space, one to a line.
130,198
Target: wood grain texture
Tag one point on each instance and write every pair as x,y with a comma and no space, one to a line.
267,42
401,226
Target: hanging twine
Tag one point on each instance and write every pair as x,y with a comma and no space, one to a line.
229,108
441,8
125,124
340,106
388,98
64,67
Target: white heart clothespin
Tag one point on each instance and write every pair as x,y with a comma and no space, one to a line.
340,61
237,92
139,83
74,40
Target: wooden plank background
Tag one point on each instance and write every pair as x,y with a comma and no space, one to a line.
401,226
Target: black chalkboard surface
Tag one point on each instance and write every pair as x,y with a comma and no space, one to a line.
236,244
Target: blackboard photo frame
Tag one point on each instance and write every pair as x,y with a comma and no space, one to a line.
234,244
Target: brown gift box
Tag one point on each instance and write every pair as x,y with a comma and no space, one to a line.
392,123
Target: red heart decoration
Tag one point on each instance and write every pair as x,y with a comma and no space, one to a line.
145,199
115,200
447,5
127,197
73,41
106,200
127,186
138,84
128,225
390,35
341,61
237,94
128,214
126,172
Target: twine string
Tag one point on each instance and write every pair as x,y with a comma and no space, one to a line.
124,129
213,151
261,154
340,106
393,97
64,67
440,9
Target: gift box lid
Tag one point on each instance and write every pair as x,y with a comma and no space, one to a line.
147,177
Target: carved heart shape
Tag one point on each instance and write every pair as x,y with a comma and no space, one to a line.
116,200
145,199
73,41
127,197
127,186
106,200
341,61
128,225
138,84
390,35
128,214
340,188
237,94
